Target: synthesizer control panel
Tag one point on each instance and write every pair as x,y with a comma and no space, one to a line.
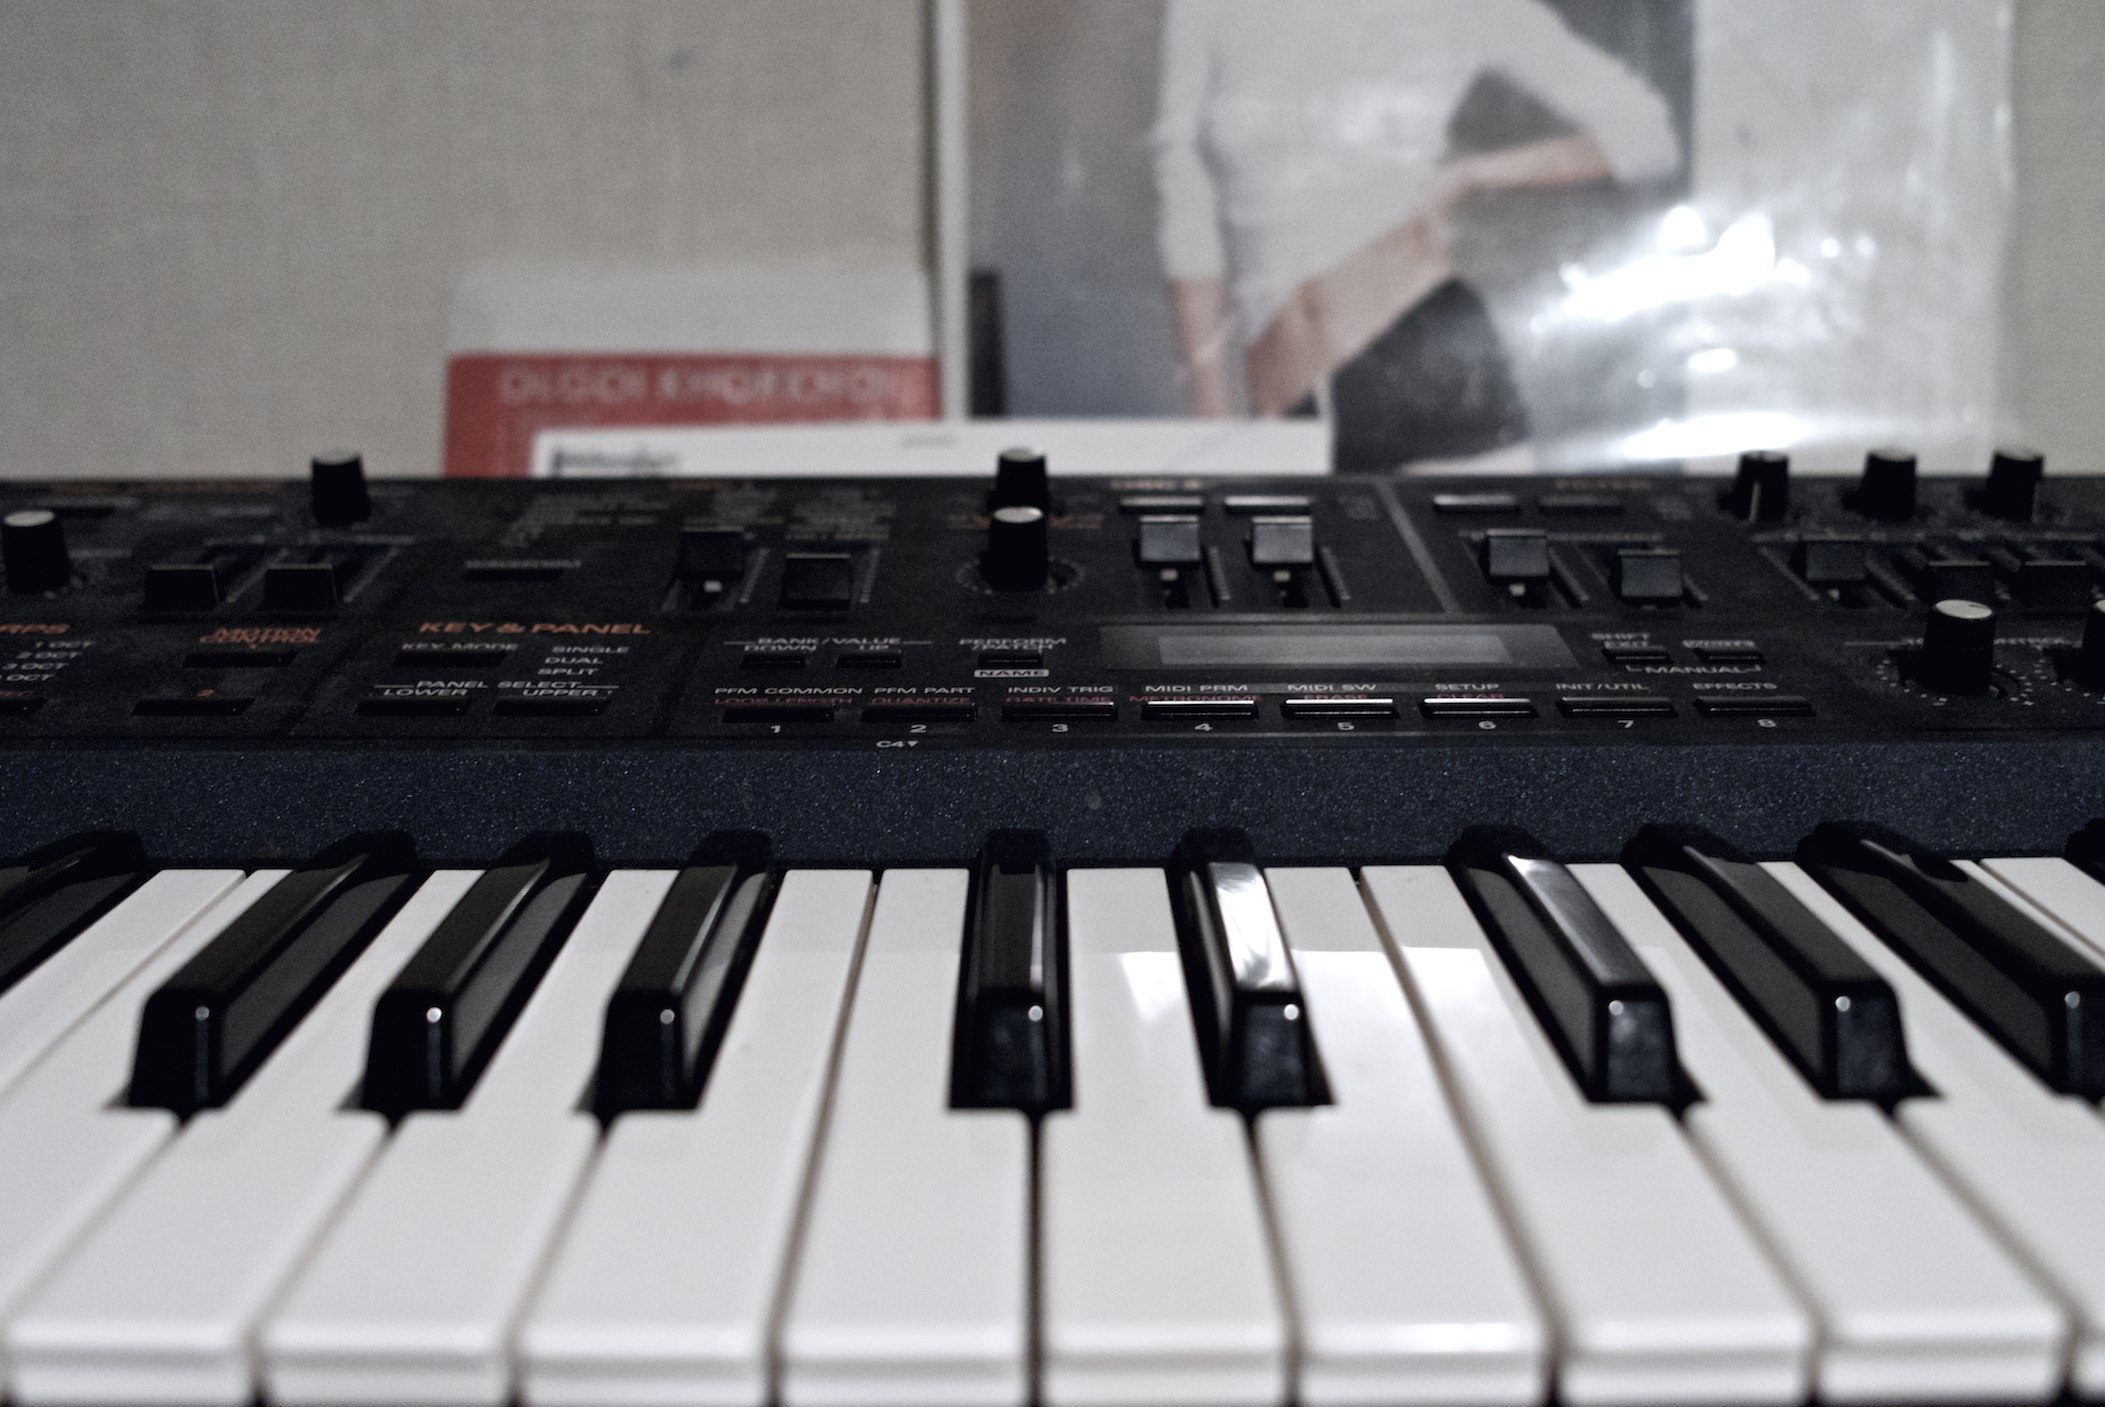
1084,619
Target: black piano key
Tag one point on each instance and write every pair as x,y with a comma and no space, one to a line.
1604,1011
668,1013
1009,1049
1253,1025
1826,1009
209,1026
2086,850
2036,994
441,1019
50,895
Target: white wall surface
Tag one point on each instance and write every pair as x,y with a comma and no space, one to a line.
230,229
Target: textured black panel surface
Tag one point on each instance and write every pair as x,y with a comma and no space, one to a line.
2010,796
510,657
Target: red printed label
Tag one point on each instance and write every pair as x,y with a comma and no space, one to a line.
497,403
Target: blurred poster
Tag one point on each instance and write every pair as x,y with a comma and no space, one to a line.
1557,234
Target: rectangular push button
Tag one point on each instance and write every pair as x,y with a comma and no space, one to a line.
515,570
1629,655
1339,708
183,706
1615,706
238,659
1058,710
868,659
773,659
1477,708
428,703
1141,503
182,586
1011,659
919,711
818,581
761,711
19,703
305,588
1753,705
1740,652
1580,505
1248,504
1178,710
525,705
1475,504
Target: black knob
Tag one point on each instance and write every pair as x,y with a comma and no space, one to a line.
1887,490
1018,557
2012,490
1021,480
34,542
1761,490
1958,648
2090,660
338,484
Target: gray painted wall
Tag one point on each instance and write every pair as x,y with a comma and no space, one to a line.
2054,295
229,229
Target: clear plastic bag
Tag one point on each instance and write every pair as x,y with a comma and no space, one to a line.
1817,269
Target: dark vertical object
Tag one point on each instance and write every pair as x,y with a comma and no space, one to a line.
668,1014
2025,986
1825,1008
990,377
209,1027
1252,1022
1009,1048
1599,1004
48,897
441,1019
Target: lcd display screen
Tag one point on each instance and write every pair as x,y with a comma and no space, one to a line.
1357,647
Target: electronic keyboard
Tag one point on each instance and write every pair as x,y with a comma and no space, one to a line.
1048,940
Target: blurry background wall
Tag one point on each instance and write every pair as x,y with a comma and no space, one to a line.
2053,363
230,229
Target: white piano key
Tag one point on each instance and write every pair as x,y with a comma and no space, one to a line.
664,1288
1916,1301
71,1143
66,986
912,1283
412,1295
1156,1276
160,1301
2051,889
1405,1288
2028,1160
1658,1292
